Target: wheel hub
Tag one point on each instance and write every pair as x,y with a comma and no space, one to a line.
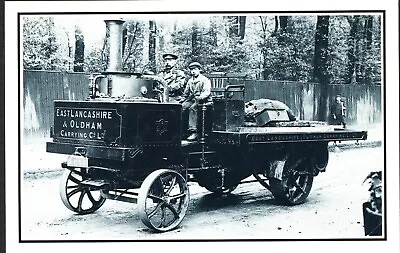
167,199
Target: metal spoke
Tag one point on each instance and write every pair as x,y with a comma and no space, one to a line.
178,196
173,210
152,213
165,212
299,187
79,173
154,197
163,215
172,186
295,185
158,184
90,196
73,192
289,194
80,201
74,179
69,186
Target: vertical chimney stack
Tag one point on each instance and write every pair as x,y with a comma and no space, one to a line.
115,42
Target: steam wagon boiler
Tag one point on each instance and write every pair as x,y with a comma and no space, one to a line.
124,142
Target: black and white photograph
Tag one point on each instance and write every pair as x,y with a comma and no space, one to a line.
155,121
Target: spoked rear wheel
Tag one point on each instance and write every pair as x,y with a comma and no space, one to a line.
163,200
293,189
77,197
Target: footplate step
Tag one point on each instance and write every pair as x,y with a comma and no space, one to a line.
96,183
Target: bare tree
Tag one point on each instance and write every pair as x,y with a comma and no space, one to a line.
264,54
132,45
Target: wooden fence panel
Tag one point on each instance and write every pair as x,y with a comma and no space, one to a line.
41,88
364,105
363,102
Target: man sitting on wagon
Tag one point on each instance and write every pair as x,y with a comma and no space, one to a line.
197,91
174,77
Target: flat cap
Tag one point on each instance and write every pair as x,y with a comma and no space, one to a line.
195,65
169,56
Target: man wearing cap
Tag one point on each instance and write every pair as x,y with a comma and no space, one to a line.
339,111
174,77
197,91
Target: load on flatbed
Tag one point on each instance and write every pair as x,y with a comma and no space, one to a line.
125,143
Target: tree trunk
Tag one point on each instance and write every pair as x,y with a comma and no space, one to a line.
368,32
263,22
283,23
242,26
152,45
233,26
213,33
320,72
358,51
276,29
283,29
368,50
79,50
70,65
195,42
124,39
351,54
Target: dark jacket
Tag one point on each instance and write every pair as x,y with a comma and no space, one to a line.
175,79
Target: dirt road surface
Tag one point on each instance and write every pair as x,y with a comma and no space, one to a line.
333,210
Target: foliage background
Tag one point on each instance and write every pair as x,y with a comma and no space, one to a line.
259,47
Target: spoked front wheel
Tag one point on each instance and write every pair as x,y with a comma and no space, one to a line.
163,200
79,198
293,189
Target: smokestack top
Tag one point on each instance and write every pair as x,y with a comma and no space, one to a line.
117,20
115,43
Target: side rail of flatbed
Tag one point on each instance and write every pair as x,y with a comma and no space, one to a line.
259,135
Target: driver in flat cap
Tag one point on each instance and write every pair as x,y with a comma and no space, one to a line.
197,91
174,77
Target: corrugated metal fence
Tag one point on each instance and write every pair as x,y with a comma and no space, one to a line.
42,87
